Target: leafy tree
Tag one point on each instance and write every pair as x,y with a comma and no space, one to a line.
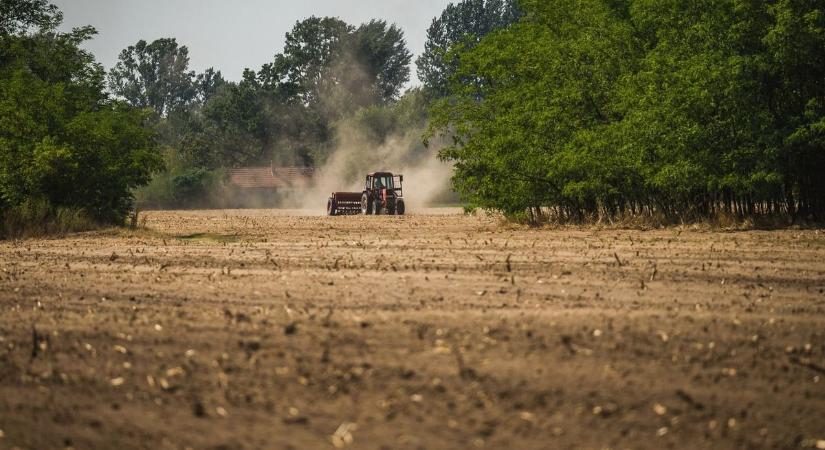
229,129
543,87
62,140
18,16
154,75
331,65
327,72
462,24
679,109
380,51
207,84
310,48
794,95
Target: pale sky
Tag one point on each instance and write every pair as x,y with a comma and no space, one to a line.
231,35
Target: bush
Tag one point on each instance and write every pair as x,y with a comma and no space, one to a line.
69,156
38,218
183,188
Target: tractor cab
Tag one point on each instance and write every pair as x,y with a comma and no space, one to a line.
383,194
379,180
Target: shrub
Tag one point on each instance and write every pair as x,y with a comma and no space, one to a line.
68,154
36,217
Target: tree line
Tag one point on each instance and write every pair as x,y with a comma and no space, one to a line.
284,113
331,77
599,109
77,144
571,109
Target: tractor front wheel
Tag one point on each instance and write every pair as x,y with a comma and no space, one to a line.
399,207
366,205
376,207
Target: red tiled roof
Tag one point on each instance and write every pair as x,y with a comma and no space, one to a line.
270,177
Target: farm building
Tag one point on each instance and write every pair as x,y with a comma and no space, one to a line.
266,185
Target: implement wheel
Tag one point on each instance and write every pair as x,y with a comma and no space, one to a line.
332,207
366,204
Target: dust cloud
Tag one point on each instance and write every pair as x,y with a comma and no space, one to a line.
348,100
426,178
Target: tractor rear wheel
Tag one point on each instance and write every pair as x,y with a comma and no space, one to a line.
366,204
332,207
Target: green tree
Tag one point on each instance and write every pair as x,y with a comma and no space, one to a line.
154,75
334,66
543,89
327,72
678,109
795,99
18,16
309,50
63,142
381,51
207,84
229,129
461,24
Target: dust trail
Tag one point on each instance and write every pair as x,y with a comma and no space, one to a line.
426,178
372,136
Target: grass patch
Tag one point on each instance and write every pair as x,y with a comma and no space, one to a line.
211,237
39,218
129,233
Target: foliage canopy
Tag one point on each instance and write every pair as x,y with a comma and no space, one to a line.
594,108
63,142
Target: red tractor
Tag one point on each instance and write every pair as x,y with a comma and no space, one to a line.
382,195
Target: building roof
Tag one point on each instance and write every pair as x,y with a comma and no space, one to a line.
270,177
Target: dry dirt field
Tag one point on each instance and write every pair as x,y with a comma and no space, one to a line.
269,329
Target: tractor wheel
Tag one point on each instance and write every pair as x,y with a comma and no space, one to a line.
332,207
366,205
376,207
399,207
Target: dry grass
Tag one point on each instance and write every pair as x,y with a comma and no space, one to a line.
720,221
38,218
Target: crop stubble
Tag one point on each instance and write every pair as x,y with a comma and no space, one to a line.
271,329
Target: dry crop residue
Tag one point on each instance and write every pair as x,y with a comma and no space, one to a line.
267,329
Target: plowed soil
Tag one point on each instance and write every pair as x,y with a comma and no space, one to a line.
273,329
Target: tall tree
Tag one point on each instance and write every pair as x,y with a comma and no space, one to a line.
460,24
18,16
676,109
325,60
795,95
207,84
542,86
63,142
381,51
328,71
154,75
310,48
229,130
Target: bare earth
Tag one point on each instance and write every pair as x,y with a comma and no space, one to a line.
272,329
